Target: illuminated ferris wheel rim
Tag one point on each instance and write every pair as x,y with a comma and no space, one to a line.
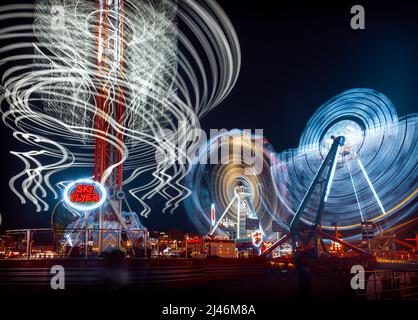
228,188
368,121
366,109
350,128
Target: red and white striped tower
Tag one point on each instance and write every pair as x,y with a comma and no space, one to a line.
109,108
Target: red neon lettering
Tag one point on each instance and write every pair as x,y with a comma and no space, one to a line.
84,194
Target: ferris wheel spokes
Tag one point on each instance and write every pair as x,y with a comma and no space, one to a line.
355,191
363,170
242,196
223,215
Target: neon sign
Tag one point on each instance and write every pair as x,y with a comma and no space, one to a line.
84,194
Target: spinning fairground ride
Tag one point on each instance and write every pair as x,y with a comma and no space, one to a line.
353,177
100,91
233,194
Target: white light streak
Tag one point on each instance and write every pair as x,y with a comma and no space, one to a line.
331,177
50,93
371,186
223,215
355,191
387,143
238,216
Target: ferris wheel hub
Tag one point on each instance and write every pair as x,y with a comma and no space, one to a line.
243,191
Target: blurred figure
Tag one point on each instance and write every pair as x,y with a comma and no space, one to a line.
115,275
303,264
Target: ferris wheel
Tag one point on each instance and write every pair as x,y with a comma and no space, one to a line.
233,197
355,164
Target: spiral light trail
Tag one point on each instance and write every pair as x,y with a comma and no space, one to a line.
216,183
180,60
376,170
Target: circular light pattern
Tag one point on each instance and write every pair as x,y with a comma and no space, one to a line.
222,182
244,188
167,63
350,130
84,204
376,175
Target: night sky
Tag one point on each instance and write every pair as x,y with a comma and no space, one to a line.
294,58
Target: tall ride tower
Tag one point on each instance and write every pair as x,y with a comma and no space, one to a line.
109,118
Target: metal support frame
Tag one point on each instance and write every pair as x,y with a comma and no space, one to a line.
328,163
327,168
109,62
416,242
245,199
323,180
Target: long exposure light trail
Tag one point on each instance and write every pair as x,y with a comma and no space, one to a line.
171,62
223,215
379,188
217,183
371,185
331,177
355,191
